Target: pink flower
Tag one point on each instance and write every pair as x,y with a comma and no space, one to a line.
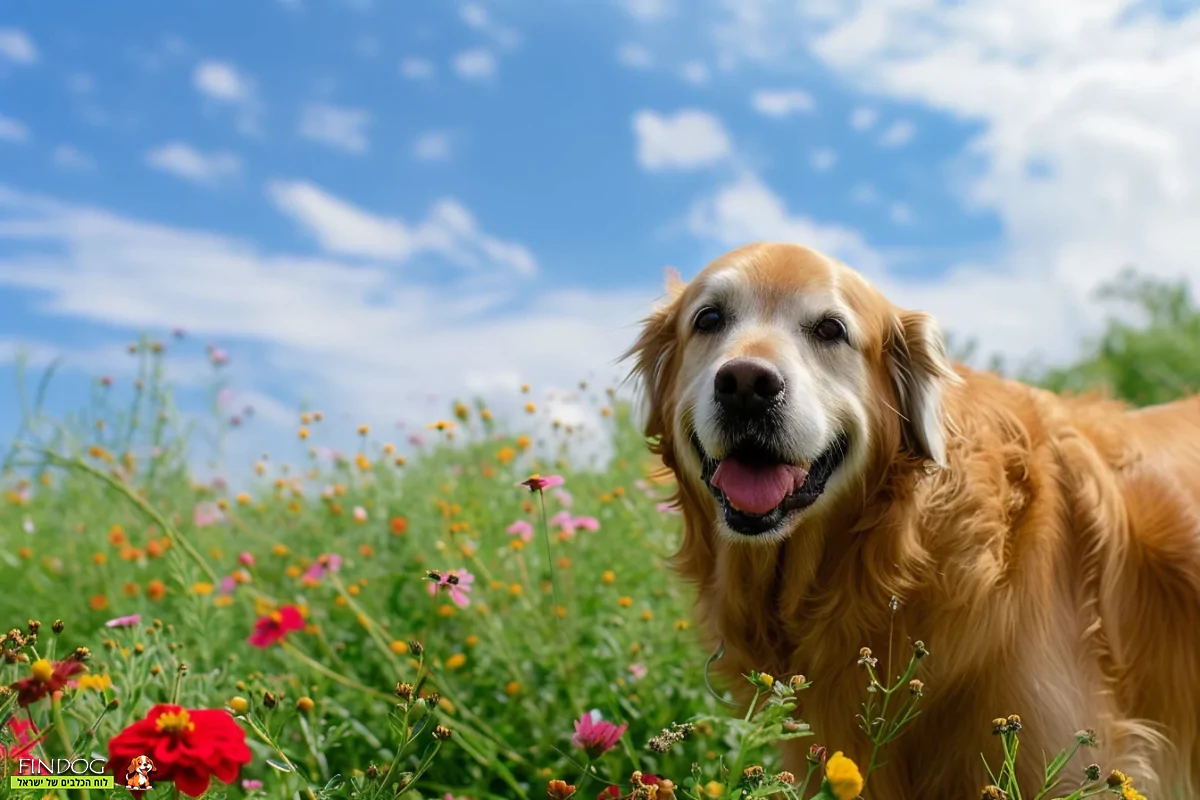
228,584
225,397
206,514
637,671
275,626
359,514
415,439
666,508
124,622
217,356
325,564
538,483
521,528
563,497
569,524
246,559
456,582
596,736
250,785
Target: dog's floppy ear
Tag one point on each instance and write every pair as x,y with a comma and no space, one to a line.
153,768
132,768
921,371
651,354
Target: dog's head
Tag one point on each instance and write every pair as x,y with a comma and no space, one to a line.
142,765
780,383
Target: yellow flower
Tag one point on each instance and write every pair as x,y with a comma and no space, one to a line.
523,442
512,688
713,789
305,703
97,682
201,588
472,640
456,661
681,624
305,418
609,576
530,408
625,602
238,704
223,600
843,777
398,647
564,563
243,498
42,670
647,615
363,430
515,589
446,611
280,550
516,544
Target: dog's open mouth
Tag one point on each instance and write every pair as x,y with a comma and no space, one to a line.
757,489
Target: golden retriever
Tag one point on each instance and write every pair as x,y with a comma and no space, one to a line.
829,456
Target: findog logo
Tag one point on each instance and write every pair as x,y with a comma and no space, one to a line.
137,774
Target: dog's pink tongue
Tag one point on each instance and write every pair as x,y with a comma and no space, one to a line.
755,489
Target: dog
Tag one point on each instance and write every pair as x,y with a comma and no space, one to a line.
137,774
829,457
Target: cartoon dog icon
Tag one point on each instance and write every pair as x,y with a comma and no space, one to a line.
137,774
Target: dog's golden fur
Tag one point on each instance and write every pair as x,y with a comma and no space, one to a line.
1051,566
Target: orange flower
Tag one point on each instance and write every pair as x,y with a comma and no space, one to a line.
154,549
523,442
99,559
398,525
116,535
99,602
366,551
130,589
156,590
505,454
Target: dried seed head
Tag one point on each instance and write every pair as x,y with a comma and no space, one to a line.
786,777
34,627
993,793
58,626
404,691
269,700
416,648
82,654
919,649
916,687
1092,772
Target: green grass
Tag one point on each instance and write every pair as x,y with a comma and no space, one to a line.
97,522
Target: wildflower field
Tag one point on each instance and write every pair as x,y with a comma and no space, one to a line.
473,619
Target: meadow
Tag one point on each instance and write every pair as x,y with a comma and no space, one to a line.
473,619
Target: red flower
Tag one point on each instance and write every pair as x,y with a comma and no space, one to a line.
614,792
188,746
276,625
47,678
26,735
537,483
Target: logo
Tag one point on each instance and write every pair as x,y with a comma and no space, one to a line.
58,773
137,774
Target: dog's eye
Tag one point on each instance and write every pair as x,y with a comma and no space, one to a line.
709,319
830,329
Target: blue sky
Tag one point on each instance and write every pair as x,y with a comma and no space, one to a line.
368,201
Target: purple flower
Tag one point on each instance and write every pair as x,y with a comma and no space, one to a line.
456,582
124,622
521,528
596,736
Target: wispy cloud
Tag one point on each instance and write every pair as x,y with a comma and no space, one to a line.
13,130
898,134
635,56
338,127
475,65
72,158
17,47
222,84
479,19
449,231
433,146
184,161
781,102
417,69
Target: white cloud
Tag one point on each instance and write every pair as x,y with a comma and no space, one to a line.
223,85
72,158
433,146
13,130
184,161
898,134
694,72
221,81
635,56
747,210
823,159
650,10
80,83
689,139
449,230
417,69
17,47
1086,111
475,65
863,118
476,17
336,126
781,102
900,214
343,335
864,194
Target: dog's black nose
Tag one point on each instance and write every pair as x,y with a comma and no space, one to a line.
748,385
